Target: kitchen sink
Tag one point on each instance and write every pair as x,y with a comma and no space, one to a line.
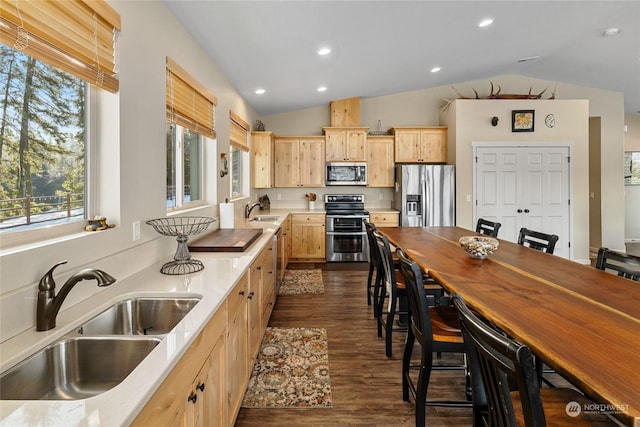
75,368
265,218
140,316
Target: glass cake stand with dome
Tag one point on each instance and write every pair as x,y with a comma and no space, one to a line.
181,228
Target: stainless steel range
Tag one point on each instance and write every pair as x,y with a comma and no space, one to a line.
346,235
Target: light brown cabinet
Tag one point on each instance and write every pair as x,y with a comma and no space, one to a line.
193,394
345,144
380,161
420,144
262,171
308,237
299,161
387,219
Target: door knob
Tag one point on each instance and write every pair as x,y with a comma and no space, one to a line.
526,211
519,211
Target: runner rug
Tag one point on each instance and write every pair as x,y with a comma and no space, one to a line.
291,371
302,282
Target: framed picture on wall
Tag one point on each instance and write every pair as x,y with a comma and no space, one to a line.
522,120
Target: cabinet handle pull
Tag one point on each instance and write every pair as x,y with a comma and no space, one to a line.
192,398
200,386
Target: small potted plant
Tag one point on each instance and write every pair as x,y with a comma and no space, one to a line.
311,198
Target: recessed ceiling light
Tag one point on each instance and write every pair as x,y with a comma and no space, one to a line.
260,91
530,58
324,51
611,32
322,89
485,22
435,69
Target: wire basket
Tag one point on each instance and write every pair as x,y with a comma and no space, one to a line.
181,227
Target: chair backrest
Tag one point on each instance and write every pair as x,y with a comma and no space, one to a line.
487,227
374,258
418,305
386,264
624,265
495,360
537,240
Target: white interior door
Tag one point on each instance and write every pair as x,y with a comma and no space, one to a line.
525,187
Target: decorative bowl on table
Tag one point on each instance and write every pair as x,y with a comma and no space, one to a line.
479,246
181,228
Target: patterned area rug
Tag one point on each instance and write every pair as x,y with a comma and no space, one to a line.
292,370
302,282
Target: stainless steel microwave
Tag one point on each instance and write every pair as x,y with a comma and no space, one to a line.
346,173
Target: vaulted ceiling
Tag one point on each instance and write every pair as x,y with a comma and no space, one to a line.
384,47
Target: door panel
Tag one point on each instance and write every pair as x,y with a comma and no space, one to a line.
525,187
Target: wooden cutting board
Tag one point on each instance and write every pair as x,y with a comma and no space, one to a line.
226,240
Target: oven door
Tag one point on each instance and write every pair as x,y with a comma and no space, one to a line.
346,239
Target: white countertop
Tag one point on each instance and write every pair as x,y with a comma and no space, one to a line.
120,405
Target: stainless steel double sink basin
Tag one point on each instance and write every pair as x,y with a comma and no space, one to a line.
99,354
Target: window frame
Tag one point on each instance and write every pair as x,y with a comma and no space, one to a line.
203,140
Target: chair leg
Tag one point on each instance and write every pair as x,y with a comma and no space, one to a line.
406,363
369,284
388,335
380,304
426,362
376,294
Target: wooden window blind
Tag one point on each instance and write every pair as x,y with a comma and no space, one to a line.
77,36
239,130
189,103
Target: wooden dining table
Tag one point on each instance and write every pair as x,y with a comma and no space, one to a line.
583,322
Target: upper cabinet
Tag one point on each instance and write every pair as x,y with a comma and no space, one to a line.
380,161
345,144
299,161
420,144
262,146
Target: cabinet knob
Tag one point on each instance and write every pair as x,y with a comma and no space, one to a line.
200,386
250,295
192,398
241,293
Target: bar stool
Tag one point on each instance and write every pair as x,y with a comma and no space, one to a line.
436,330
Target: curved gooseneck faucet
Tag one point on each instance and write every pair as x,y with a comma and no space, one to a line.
49,303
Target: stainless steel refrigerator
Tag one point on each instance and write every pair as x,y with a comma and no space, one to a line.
425,195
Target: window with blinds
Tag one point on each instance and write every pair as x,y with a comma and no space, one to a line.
77,36
239,131
189,103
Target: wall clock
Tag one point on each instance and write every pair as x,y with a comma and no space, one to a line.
550,120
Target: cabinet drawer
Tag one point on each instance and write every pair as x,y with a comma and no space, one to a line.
308,219
385,220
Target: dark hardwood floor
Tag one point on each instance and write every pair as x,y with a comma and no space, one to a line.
366,385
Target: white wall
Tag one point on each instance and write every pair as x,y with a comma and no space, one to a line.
470,121
132,157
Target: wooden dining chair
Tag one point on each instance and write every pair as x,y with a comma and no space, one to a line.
537,240
486,227
495,362
436,330
624,265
